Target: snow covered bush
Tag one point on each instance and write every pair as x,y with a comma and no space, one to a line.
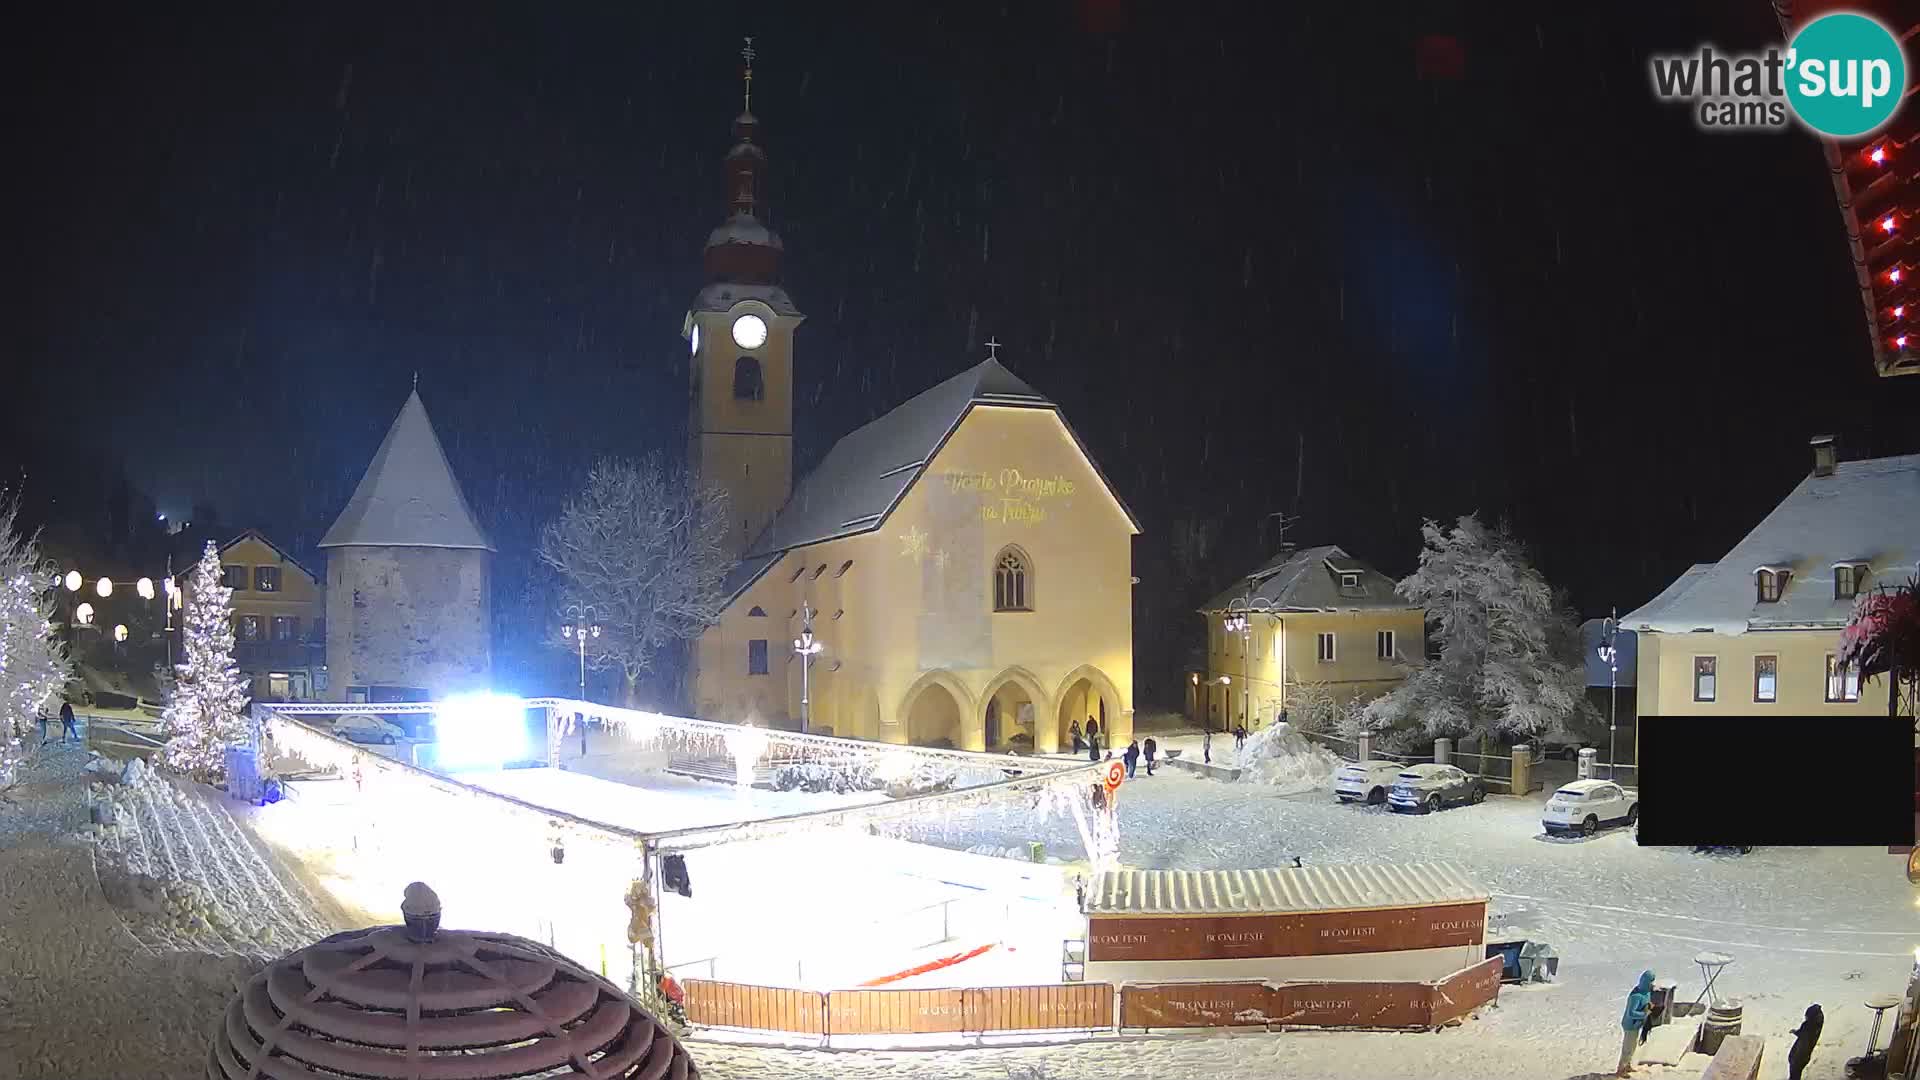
206,712
1509,660
33,666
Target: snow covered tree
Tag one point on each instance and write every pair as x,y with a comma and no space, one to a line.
207,710
1508,661
642,546
33,665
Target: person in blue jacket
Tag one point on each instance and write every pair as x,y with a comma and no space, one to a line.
1639,1001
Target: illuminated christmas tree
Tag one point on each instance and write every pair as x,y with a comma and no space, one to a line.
33,666
207,711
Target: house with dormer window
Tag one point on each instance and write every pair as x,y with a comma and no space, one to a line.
1759,630
1308,615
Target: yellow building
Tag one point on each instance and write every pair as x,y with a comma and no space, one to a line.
1314,617
1758,630
968,568
279,619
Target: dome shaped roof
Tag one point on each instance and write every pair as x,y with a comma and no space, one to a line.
744,229
393,1002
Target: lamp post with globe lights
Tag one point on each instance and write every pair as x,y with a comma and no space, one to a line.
806,648
578,631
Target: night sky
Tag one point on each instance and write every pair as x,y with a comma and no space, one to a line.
1281,267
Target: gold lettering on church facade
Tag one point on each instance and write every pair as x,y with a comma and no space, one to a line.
1009,495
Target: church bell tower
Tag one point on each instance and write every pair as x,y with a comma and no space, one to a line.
740,334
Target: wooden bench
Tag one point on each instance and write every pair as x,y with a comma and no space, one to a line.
1737,1059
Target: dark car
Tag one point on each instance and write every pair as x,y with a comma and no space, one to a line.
1424,789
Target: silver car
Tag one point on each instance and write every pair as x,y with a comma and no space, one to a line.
1427,788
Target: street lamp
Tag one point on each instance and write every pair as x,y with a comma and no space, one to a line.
83,614
1610,656
806,649
581,628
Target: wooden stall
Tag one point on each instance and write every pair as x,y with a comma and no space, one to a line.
1374,923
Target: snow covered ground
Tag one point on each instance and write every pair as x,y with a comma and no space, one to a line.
83,994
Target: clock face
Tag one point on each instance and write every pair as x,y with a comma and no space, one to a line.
693,340
749,332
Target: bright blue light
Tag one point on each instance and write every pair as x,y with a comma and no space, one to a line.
480,731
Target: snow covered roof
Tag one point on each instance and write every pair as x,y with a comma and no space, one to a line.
745,229
1309,579
722,295
1864,511
409,497
1304,888
869,471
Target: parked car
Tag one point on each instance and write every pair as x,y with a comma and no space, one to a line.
1424,789
368,728
1561,747
1585,805
1365,781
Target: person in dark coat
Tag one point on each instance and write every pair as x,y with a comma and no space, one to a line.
66,722
1151,749
1804,1038
1093,732
1132,757
1206,747
1079,743
1639,1004
1240,736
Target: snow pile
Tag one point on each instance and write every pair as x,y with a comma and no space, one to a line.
1282,758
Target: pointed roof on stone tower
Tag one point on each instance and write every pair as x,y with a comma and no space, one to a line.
409,497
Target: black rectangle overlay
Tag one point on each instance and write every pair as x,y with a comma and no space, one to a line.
1777,781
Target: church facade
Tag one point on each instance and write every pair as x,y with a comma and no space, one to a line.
961,563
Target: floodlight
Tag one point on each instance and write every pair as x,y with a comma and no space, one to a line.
481,731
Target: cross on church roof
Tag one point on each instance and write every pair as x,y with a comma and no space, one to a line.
993,348
748,54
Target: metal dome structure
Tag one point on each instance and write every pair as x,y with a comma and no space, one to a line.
416,1002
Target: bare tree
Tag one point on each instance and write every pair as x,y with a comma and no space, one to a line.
643,546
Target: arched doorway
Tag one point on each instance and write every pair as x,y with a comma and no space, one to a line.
935,715
1087,694
1016,714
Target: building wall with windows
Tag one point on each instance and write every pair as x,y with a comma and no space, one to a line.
279,619
992,608
1784,671
1265,664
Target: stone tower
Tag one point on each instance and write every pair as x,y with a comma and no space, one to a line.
408,576
740,332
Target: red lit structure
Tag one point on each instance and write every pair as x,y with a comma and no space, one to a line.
1877,181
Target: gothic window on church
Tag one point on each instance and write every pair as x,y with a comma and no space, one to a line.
747,383
757,656
1012,581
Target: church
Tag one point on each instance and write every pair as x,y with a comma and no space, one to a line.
957,572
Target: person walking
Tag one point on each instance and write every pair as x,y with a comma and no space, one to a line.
1151,748
66,722
1639,1002
1132,757
1240,737
1079,743
1206,747
1093,732
1804,1038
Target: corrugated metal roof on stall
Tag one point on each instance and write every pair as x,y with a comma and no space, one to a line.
1306,888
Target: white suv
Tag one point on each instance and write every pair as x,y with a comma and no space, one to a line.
1585,805
1365,781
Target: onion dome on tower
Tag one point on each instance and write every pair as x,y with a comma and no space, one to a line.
744,250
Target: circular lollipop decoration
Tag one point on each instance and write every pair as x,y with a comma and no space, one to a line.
1116,772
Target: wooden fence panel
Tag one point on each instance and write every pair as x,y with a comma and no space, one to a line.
1066,1006
1352,1004
895,1012
762,1008
1195,1005
1464,991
